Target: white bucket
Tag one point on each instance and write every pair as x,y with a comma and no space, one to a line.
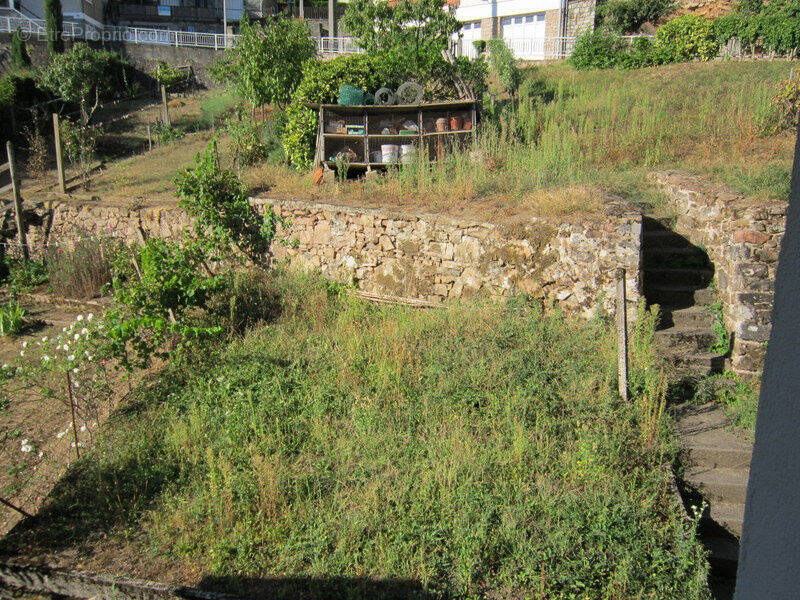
407,153
376,156
389,153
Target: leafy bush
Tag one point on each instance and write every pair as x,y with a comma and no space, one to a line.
598,50
266,64
165,134
737,396
83,270
504,66
12,318
627,16
217,200
7,91
247,140
772,26
24,275
168,76
19,54
787,101
687,37
83,76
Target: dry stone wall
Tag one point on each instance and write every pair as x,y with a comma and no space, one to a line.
742,238
425,257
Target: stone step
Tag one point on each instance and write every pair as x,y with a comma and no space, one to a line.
722,548
728,515
667,256
721,485
693,364
677,276
682,296
712,456
657,224
698,317
661,238
685,340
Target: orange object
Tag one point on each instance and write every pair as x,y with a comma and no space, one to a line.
318,176
456,123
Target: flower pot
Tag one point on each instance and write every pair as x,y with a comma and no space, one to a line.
456,123
442,124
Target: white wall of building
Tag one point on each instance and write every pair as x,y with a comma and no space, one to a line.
471,10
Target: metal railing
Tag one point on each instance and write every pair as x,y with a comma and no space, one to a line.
338,45
542,48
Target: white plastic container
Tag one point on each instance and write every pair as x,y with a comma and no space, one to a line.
389,153
376,156
408,153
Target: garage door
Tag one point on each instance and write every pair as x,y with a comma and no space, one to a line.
524,34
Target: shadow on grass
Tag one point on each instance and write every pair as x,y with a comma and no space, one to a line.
317,588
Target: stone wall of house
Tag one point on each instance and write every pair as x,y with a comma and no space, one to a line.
742,238
425,257
580,16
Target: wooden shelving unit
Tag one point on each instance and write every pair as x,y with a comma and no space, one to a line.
375,119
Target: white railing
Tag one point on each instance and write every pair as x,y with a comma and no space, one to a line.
542,48
338,45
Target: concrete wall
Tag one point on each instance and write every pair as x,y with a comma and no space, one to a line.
425,257
742,238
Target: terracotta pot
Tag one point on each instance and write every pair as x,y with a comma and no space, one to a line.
441,124
467,124
456,123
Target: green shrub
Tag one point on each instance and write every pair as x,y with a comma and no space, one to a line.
12,318
19,54
686,38
7,91
216,105
23,275
168,76
787,103
598,50
627,16
772,26
165,134
504,66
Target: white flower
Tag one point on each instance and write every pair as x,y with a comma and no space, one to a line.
71,357
45,358
63,329
77,337
44,339
88,357
25,446
65,347
25,344
79,318
22,352
5,365
75,370
84,331
90,316
83,427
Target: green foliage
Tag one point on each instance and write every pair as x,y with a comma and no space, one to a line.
739,397
722,344
79,142
12,318
265,65
504,66
598,50
687,37
23,275
7,91
167,75
166,134
19,53
772,26
787,102
217,200
409,51
154,300
216,105
627,16
54,25
82,76
248,140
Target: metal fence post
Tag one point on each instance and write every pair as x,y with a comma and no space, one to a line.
622,336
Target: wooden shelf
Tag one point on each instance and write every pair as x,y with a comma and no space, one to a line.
447,132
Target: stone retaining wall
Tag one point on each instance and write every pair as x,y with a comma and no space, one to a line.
742,238
427,257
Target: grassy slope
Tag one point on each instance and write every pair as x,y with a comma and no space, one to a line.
600,129
476,451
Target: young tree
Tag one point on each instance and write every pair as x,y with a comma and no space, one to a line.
82,76
266,64
410,34
19,54
54,24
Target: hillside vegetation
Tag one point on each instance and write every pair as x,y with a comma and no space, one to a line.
475,452
575,135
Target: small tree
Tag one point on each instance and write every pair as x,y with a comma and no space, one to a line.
266,64
81,76
410,34
627,16
19,54
54,24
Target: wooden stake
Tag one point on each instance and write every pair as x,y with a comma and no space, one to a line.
149,137
62,185
164,105
622,336
72,411
16,508
18,216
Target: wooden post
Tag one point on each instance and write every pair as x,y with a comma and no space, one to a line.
16,508
62,185
13,114
164,105
622,335
149,137
72,412
18,216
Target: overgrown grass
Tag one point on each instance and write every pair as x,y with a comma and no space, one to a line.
479,451
738,397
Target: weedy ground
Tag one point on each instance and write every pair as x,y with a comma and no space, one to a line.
479,451
574,137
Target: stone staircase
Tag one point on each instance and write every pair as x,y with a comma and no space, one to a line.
716,462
